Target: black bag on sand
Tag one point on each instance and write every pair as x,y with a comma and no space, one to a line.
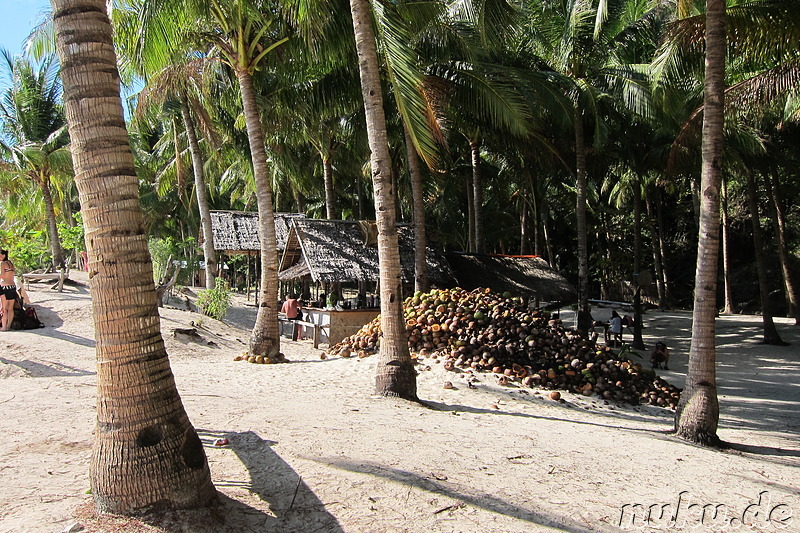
25,317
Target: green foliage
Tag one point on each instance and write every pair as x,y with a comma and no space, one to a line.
28,250
215,302
72,237
179,250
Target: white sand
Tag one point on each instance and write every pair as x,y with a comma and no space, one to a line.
311,448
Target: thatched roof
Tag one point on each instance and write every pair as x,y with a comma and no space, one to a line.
334,250
519,275
236,232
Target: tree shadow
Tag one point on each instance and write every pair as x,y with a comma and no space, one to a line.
483,500
294,505
39,370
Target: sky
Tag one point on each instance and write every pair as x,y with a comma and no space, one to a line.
17,18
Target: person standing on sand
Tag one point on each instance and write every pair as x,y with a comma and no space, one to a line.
8,291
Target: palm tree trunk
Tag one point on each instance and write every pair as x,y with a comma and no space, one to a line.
638,342
584,318
418,206
771,335
470,218
146,452
209,255
52,225
697,415
327,178
395,373
662,246
265,338
523,226
477,196
726,252
779,221
654,242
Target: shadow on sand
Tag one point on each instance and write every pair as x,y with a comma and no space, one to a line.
485,501
293,505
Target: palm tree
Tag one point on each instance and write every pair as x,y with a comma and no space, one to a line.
33,121
395,375
587,41
244,33
146,452
697,415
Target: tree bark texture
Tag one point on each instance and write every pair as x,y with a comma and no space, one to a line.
209,254
477,196
146,453
771,335
580,213
418,212
395,373
327,178
265,337
697,415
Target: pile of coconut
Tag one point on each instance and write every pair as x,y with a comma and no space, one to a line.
484,331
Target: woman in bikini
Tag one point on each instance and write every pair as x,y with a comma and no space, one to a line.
8,290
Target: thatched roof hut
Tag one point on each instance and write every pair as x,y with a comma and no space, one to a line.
236,232
335,251
519,275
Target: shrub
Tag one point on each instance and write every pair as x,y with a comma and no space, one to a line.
215,302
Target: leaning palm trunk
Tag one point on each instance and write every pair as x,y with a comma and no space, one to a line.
771,335
697,416
202,199
52,225
779,221
146,452
395,373
265,338
580,211
418,212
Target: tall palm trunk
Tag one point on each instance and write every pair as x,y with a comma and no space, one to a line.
584,317
697,416
146,452
477,196
662,245
265,337
327,179
523,226
779,221
726,252
395,373
770,331
52,225
202,199
470,218
638,342
418,212
657,259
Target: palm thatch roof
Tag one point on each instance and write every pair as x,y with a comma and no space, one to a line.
236,232
335,250
519,275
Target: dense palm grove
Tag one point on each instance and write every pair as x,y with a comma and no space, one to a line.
571,130
489,93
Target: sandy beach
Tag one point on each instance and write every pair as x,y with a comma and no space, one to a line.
313,450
